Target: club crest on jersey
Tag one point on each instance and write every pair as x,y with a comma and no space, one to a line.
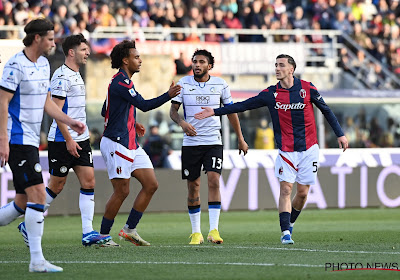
119,170
303,93
132,92
63,169
38,167
186,172
280,170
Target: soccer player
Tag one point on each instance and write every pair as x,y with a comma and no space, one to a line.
119,147
290,103
24,94
202,143
67,149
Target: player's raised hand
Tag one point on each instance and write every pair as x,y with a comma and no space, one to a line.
174,90
343,143
207,112
140,129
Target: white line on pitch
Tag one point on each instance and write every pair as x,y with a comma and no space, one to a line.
169,263
283,249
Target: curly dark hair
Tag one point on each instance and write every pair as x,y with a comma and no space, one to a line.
38,26
72,42
207,54
289,59
121,51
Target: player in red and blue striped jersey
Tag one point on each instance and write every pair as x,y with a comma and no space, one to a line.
290,103
121,152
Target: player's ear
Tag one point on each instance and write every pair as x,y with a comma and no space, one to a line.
125,60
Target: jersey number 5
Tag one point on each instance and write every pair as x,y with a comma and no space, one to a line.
315,166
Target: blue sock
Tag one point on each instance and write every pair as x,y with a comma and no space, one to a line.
106,225
134,218
293,216
284,219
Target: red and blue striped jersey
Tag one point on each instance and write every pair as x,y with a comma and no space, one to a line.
119,110
292,114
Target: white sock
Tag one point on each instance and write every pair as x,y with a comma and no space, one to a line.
8,213
49,200
195,220
291,224
213,216
86,205
34,223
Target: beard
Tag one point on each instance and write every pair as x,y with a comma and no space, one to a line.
199,76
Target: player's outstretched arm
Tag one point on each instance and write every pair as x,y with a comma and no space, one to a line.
207,112
55,112
343,143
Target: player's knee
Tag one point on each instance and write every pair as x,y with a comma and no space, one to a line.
286,191
213,185
151,187
302,194
89,184
122,192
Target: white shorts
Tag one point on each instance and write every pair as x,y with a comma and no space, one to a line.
300,167
120,161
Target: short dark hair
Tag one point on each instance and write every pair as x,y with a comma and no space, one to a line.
121,51
38,26
289,58
72,42
206,54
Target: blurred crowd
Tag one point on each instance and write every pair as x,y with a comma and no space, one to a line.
373,24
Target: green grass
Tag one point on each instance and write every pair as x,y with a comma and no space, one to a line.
251,248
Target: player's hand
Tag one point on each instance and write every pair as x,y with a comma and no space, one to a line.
77,126
243,147
140,129
4,150
188,128
73,147
343,143
207,112
174,90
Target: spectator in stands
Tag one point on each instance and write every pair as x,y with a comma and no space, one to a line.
231,21
341,23
264,136
181,68
298,20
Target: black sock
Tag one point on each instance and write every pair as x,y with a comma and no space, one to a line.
284,219
294,215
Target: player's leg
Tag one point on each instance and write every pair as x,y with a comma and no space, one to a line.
13,210
213,165
86,179
307,173
34,222
298,203
194,204
285,171
147,179
121,192
60,161
192,160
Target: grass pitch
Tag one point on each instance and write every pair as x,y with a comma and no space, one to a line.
251,248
